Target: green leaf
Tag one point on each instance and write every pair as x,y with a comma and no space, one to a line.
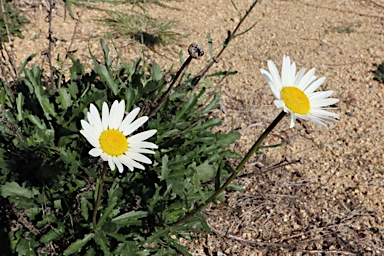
179,247
107,211
130,218
205,172
34,78
206,125
77,68
157,234
108,61
78,244
187,106
228,139
69,7
236,187
129,248
210,45
164,168
130,96
156,72
26,247
35,120
19,104
26,61
212,105
203,221
13,189
106,77
84,208
64,100
54,234
103,242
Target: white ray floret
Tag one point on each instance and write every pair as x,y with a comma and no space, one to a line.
295,93
109,135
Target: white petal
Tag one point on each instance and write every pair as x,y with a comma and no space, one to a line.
135,125
126,163
141,136
143,144
95,112
293,119
307,79
104,156
118,164
313,87
105,118
129,119
117,114
130,162
96,152
138,157
96,125
323,113
111,163
323,102
92,137
299,76
96,116
318,121
279,103
89,131
275,75
319,95
141,150
84,123
288,71
269,80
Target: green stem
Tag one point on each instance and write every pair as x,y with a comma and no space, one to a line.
99,192
254,148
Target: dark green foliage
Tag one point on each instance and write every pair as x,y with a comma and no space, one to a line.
11,22
379,73
48,179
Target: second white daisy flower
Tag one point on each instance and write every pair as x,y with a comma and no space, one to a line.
108,136
296,95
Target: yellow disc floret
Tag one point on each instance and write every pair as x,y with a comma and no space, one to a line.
296,100
113,142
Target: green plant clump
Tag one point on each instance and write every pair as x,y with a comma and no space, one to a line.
49,182
379,73
11,22
141,28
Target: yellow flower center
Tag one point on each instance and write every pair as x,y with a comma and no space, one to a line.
113,142
296,100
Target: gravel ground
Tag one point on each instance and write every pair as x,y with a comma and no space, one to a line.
322,191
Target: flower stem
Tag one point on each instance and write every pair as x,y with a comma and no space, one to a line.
165,95
235,172
99,192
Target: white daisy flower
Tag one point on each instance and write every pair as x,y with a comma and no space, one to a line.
296,95
108,136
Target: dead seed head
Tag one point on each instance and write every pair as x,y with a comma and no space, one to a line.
195,51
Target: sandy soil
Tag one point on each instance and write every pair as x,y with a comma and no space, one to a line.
322,191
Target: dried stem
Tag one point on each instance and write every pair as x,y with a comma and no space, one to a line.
51,40
231,35
10,52
195,52
72,40
165,95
